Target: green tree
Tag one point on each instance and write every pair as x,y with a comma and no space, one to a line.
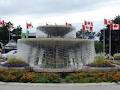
16,33
85,35
98,47
4,32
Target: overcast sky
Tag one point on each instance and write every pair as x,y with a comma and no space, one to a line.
59,11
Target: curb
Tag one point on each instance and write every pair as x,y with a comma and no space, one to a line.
58,84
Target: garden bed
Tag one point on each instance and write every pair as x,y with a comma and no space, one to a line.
94,76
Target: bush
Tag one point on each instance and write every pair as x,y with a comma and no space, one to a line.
10,78
28,77
12,75
41,79
48,78
82,77
116,77
100,61
116,56
14,62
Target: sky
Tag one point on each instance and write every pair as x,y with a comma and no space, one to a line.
40,12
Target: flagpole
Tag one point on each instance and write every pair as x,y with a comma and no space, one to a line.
82,34
104,41
110,43
9,34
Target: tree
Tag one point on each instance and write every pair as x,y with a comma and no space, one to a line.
98,47
85,35
4,32
16,33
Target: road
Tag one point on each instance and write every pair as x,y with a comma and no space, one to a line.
27,86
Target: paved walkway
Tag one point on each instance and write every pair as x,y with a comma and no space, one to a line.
28,86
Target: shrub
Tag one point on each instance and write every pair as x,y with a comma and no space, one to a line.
100,57
80,78
10,78
48,78
28,77
100,61
10,75
116,56
116,77
2,77
41,79
14,62
13,75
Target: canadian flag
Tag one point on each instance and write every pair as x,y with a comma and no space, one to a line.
114,26
2,23
29,25
87,27
107,22
88,23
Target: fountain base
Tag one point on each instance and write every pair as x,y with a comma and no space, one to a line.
56,54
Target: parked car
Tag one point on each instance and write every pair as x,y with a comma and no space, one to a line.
10,53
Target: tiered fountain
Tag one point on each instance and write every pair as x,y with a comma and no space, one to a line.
56,52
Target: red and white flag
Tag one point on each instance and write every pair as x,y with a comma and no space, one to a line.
114,26
87,28
2,23
29,25
107,21
88,23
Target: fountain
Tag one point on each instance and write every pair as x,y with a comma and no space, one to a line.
56,52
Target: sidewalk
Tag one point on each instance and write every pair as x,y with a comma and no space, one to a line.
58,86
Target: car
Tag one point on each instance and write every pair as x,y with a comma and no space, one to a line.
10,53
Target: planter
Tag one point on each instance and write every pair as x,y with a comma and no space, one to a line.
14,65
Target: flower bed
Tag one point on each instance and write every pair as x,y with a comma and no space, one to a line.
15,75
100,61
14,65
100,65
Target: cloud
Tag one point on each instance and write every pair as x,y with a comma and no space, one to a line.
58,11
48,6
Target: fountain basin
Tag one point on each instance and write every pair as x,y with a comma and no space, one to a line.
56,54
56,30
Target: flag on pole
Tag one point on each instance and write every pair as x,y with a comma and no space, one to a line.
29,25
114,26
87,28
88,23
107,21
2,23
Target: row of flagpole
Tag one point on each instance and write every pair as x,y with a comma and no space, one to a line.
112,26
86,26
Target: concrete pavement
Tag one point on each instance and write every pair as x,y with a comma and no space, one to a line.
44,86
